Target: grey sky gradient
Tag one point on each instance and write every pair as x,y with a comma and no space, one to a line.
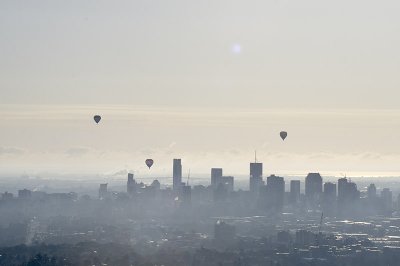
201,80
294,53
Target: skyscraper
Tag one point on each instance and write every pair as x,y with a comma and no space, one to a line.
223,187
347,194
313,187
228,182
387,200
216,174
352,191
177,174
275,193
186,195
256,172
330,191
329,199
294,191
130,185
371,192
342,190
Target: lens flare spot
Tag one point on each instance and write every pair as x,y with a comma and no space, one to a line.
236,48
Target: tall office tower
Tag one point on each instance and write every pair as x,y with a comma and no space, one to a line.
313,187
294,191
228,182
398,202
342,190
103,191
177,175
347,192
329,199
275,193
131,185
223,188
371,191
387,199
352,191
216,174
256,172
186,195
330,191
342,183
342,186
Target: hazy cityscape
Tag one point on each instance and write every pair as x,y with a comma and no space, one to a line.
199,133
274,221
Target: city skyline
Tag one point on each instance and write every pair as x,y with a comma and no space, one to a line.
314,187
322,223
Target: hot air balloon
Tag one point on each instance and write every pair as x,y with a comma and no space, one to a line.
283,135
97,118
149,162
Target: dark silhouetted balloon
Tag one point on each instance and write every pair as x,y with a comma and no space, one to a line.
283,135
149,162
97,118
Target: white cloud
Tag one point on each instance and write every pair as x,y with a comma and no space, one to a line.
11,151
77,151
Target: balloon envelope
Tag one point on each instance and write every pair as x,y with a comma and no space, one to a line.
283,135
149,162
97,118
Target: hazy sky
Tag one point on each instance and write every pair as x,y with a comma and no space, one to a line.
208,81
